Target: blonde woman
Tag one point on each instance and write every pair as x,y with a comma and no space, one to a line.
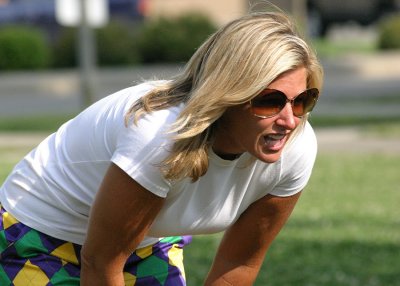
114,195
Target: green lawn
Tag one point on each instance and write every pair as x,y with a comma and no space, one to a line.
50,122
344,231
329,49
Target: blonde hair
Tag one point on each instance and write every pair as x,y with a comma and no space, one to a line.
231,67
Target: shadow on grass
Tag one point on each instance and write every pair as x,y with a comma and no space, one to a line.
307,262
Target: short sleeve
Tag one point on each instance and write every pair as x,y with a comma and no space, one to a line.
141,148
297,162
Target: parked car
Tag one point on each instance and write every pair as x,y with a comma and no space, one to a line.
19,11
42,12
324,13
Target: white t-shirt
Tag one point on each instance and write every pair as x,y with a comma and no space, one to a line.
53,187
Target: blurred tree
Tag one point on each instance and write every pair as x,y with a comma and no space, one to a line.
173,39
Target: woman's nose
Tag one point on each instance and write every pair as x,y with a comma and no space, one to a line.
286,117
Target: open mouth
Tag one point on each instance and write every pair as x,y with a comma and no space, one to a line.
275,142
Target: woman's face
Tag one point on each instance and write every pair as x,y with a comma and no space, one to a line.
240,131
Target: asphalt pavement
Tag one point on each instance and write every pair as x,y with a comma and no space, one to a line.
354,84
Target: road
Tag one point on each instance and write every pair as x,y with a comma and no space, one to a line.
353,85
58,91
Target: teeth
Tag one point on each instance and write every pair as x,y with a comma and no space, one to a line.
276,136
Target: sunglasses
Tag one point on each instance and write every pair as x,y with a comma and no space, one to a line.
271,101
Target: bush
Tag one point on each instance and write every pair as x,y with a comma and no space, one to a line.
65,49
162,40
115,45
23,47
389,33
173,40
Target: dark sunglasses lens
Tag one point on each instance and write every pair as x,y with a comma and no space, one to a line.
268,103
305,102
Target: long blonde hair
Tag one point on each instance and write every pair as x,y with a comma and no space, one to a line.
232,66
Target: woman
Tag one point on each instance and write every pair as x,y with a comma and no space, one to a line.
113,196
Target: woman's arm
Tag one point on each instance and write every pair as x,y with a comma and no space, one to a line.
120,217
243,247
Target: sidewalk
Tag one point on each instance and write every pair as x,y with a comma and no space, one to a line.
21,139
353,85
383,65
353,140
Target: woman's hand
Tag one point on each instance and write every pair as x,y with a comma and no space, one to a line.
243,247
120,217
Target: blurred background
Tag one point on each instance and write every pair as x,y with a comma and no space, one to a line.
50,65
58,56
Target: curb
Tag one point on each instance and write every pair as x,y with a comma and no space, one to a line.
382,65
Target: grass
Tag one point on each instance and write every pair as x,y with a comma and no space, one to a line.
344,230
50,123
47,122
364,122
329,49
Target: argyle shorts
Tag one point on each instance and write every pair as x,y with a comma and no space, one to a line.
29,257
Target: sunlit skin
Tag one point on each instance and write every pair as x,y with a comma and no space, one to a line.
240,131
